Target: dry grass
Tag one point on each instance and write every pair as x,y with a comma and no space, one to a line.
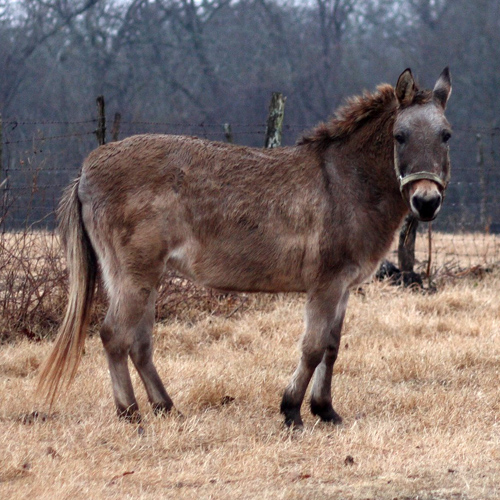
417,382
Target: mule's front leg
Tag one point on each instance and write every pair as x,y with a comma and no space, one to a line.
322,311
321,393
296,389
321,398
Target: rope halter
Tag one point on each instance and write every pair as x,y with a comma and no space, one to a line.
418,176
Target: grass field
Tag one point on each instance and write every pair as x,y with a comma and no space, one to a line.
417,382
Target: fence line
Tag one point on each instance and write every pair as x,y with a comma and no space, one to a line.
34,176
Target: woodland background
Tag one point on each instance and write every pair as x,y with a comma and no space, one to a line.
189,66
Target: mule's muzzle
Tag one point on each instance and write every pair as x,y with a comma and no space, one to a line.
426,205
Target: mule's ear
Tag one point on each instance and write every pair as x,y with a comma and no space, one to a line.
442,89
405,88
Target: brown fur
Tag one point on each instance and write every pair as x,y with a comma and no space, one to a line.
358,111
316,218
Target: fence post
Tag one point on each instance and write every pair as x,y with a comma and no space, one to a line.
3,183
115,131
1,147
482,181
275,120
406,247
100,131
228,133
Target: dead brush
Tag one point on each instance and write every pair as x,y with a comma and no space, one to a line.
32,284
180,298
34,287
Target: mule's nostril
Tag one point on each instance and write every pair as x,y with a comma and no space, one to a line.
426,207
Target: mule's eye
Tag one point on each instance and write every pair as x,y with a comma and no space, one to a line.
446,136
400,138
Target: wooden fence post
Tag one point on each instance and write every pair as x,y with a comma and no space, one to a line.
482,181
100,131
275,120
115,131
1,147
3,182
228,133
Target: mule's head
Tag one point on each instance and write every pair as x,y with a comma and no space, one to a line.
421,152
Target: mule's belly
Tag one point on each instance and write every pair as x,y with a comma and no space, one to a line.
283,263
227,264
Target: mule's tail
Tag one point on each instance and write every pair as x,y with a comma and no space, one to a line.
61,365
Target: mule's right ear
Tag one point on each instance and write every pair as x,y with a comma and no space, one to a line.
405,88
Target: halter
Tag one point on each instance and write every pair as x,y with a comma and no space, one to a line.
407,179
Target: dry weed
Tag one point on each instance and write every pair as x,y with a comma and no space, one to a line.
32,284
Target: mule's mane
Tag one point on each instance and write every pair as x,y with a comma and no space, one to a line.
357,111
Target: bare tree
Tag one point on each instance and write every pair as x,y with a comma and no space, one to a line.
26,28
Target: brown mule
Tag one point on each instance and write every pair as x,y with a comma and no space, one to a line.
316,217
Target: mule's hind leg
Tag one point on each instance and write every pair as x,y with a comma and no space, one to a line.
141,353
125,331
117,344
321,393
321,311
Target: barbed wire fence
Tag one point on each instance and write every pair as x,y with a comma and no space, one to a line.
39,158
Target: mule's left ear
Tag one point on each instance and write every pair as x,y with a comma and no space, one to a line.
442,89
405,88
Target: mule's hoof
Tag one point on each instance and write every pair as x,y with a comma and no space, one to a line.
291,413
130,414
326,413
293,420
293,425
164,410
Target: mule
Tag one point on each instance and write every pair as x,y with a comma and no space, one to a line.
316,217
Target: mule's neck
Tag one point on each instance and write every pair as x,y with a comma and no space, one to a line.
371,152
